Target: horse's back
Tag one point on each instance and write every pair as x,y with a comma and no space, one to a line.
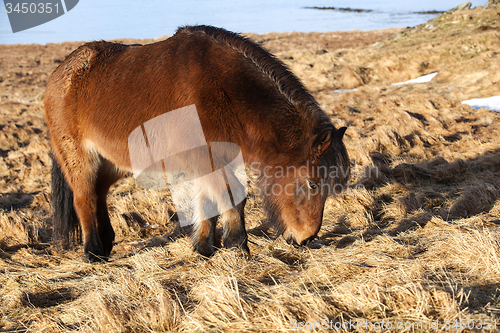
107,90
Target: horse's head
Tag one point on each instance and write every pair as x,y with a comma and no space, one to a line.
295,195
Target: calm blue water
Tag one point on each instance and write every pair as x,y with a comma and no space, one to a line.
109,19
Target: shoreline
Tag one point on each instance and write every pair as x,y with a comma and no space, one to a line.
322,19
258,36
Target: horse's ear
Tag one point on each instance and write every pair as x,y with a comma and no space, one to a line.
322,142
339,134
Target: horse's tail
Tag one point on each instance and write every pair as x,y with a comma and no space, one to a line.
65,225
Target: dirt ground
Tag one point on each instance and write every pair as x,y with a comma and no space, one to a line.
415,242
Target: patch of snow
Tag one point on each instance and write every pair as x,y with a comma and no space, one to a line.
490,103
422,79
341,91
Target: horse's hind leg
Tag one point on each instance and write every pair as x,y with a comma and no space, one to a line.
91,208
235,234
85,202
89,183
106,176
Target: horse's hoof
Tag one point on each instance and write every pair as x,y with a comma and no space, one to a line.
91,257
94,251
206,251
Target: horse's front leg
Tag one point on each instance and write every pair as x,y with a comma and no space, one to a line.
203,238
235,234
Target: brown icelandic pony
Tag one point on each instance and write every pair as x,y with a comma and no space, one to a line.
244,95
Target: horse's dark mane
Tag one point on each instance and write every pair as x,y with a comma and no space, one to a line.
284,80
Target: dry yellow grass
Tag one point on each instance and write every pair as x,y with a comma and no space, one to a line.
415,241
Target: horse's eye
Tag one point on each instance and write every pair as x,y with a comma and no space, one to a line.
313,185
